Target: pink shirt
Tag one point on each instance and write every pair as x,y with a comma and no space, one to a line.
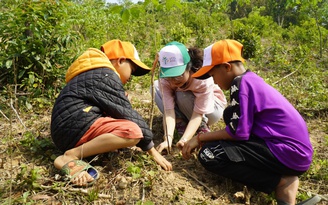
205,91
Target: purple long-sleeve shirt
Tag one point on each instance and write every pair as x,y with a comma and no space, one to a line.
258,109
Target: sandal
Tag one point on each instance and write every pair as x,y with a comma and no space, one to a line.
73,168
311,201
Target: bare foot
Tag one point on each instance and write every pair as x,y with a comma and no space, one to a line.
287,189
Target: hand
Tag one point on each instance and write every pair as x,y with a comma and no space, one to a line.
166,165
135,148
164,145
181,143
189,147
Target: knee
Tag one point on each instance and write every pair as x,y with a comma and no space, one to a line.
133,142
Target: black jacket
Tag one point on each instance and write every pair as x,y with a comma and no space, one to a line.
102,89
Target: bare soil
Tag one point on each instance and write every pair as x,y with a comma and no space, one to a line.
28,175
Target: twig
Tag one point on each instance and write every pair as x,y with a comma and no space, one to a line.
84,191
247,196
22,94
11,157
152,105
323,197
94,159
153,92
164,116
143,193
212,192
3,114
12,107
290,73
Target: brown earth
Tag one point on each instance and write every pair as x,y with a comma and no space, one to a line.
28,175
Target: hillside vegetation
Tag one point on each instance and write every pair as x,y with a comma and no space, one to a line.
285,42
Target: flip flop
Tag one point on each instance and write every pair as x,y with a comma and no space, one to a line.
73,168
311,201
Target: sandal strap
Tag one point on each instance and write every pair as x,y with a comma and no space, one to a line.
79,166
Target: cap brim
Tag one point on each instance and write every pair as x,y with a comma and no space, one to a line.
141,69
203,77
172,71
203,72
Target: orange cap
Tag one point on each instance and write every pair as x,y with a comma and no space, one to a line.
115,49
222,51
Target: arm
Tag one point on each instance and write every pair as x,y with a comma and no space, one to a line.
170,121
170,124
109,95
191,129
195,142
160,159
245,103
215,136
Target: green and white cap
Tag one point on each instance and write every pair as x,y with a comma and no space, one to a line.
173,59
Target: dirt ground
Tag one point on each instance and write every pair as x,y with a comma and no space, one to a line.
28,152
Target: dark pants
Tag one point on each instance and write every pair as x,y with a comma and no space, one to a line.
248,162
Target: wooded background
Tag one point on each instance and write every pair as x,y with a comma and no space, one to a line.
40,39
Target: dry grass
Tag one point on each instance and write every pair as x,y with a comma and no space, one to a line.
128,176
